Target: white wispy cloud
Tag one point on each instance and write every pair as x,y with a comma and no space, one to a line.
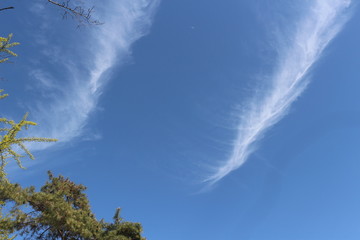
308,38
65,113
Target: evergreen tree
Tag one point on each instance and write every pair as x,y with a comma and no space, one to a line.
9,139
60,210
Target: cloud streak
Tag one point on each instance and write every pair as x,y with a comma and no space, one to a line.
311,34
66,112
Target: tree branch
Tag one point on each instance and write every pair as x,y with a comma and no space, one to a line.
78,12
7,8
40,237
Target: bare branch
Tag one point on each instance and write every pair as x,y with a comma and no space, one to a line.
84,16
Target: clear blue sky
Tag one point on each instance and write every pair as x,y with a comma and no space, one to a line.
200,119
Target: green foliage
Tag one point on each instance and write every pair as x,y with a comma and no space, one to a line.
9,139
5,221
60,210
5,44
5,224
10,129
3,95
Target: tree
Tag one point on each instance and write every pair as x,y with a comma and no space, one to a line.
8,138
60,210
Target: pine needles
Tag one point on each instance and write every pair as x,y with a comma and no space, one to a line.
10,144
9,139
5,44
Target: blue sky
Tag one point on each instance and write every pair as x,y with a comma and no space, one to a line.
201,119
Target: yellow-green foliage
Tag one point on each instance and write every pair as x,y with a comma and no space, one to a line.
5,223
4,48
10,129
60,210
9,139
3,95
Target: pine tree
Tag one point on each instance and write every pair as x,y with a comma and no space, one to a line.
60,210
9,139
